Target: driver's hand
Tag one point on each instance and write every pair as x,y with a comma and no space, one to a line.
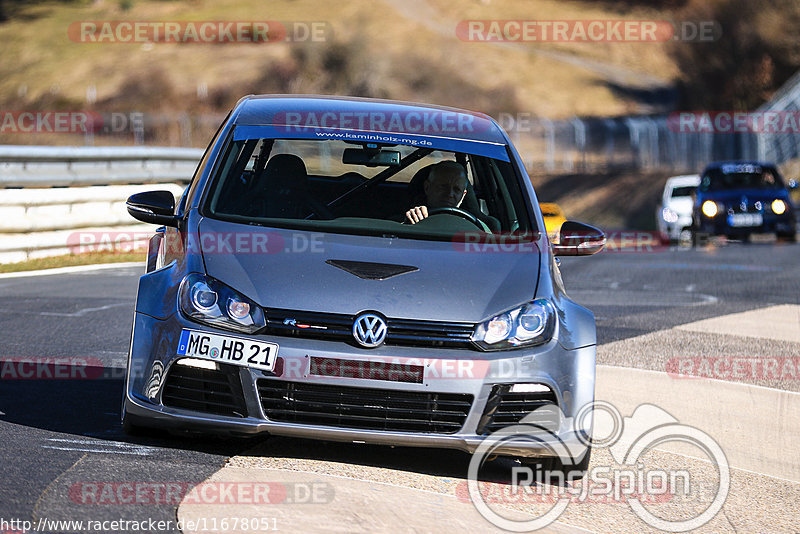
416,214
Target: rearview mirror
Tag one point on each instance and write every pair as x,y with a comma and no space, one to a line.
578,239
371,158
155,207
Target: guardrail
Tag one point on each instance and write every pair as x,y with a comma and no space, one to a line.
33,166
55,199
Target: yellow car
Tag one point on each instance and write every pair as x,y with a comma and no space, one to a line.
553,218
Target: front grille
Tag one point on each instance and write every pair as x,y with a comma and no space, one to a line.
204,390
363,408
340,327
504,409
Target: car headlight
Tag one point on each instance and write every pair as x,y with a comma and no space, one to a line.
209,301
778,206
669,215
527,325
709,208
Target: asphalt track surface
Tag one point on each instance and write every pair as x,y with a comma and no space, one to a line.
60,436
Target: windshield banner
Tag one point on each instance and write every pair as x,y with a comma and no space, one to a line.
282,131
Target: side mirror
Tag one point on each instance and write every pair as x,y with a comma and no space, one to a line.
155,207
578,239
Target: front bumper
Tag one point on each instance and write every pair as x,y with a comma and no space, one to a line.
570,374
673,230
772,223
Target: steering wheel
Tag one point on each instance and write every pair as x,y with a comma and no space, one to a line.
458,212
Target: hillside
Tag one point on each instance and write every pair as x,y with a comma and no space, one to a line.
401,50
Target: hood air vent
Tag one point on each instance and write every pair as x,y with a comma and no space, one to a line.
371,271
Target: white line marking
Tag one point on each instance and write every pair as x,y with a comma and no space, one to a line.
81,313
102,442
74,269
80,449
732,468
699,378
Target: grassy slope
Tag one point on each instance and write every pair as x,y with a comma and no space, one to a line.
56,71
402,58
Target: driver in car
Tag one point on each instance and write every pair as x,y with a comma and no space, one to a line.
445,187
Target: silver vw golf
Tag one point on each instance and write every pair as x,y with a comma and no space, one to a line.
359,270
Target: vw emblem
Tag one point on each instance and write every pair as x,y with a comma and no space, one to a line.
369,330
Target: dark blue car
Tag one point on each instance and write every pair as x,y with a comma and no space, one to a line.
740,198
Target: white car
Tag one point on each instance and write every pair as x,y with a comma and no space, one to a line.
674,213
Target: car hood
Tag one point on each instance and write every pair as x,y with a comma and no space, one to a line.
287,269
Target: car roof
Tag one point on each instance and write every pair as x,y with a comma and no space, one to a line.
268,110
686,179
718,164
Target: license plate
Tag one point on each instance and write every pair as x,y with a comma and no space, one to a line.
228,349
745,219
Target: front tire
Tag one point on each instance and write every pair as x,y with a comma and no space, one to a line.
685,238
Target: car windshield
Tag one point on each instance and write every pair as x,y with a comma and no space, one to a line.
366,188
683,191
740,177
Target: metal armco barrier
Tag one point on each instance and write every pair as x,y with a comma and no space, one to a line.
36,166
50,196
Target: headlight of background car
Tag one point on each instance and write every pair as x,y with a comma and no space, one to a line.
209,301
528,325
778,206
669,215
709,208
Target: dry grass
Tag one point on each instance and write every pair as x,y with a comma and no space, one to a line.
397,56
69,260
